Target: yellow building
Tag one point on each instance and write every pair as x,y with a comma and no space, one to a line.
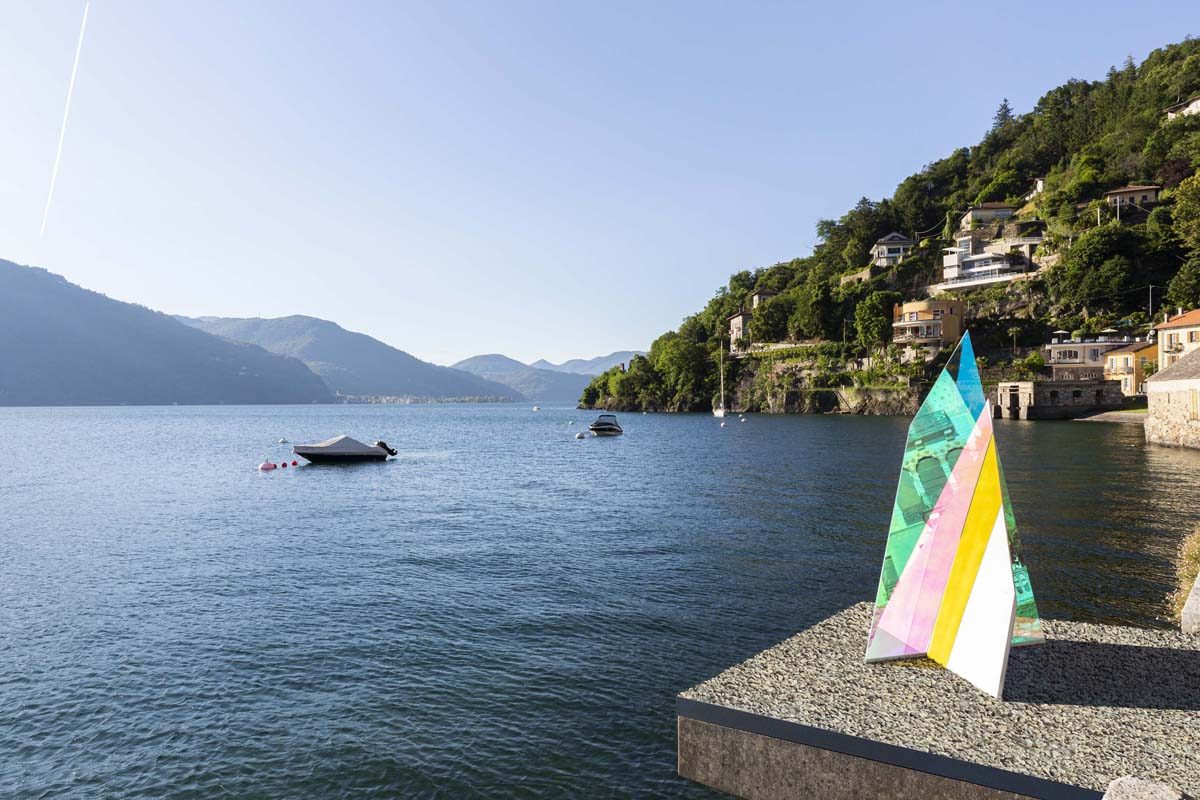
923,327
1128,365
1177,337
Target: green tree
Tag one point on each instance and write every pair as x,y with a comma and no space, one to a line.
1003,116
1184,288
809,319
770,320
1187,212
873,318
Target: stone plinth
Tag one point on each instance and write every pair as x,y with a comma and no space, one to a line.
807,718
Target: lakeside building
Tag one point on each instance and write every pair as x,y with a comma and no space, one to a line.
1133,195
923,327
739,330
739,321
1080,359
1128,365
891,249
1056,399
1187,107
1174,403
1177,337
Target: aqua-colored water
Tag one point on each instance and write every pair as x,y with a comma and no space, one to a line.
502,611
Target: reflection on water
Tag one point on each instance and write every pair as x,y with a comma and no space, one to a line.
501,611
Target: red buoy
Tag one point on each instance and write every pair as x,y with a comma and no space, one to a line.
284,465
293,463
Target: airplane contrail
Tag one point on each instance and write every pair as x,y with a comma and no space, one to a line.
66,113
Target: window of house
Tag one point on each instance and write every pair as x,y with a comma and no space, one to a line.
1067,355
1194,336
1095,353
1129,361
938,313
912,316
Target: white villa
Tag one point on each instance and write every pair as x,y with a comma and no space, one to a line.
975,261
985,213
1190,106
891,249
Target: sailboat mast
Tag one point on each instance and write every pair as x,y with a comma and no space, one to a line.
721,353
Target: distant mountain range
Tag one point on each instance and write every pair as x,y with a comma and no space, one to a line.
64,345
61,344
548,386
589,366
354,363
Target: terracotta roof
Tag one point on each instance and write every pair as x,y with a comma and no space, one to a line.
1186,320
1186,368
1137,188
1133,348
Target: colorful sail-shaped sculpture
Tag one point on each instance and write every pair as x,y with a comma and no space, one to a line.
953,586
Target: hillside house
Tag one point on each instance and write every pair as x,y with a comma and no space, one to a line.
1177,337
974,260
923,327
984,214
891,250
739,321
760,296
739,330
1174,400
1133,196
1190,106
1039,186
1129,364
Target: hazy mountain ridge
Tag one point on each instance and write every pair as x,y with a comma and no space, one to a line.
354,363
589,366
550,386
61,344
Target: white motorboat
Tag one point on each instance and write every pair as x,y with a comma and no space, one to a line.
605,425
343,450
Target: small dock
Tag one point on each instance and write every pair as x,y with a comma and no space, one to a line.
808,718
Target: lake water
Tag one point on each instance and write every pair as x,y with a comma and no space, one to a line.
501,611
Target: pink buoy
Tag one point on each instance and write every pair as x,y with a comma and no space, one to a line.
266,466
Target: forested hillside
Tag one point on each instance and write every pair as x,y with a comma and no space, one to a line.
1083,138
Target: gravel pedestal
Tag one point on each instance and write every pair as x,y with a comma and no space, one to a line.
1190,618
1093,703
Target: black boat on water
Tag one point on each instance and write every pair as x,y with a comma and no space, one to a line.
605,425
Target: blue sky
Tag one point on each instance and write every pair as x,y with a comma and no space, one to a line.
541,179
